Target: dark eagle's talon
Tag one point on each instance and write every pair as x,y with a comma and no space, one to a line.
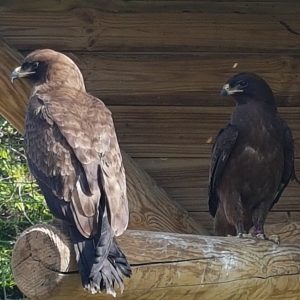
274,238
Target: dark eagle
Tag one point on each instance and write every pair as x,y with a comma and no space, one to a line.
252,159
73,152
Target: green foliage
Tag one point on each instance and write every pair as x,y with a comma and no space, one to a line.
21,203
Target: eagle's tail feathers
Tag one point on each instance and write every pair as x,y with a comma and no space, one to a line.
108,270
102,264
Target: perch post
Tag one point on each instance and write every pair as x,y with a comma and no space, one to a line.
166,266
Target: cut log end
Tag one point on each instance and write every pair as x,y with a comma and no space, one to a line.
41,255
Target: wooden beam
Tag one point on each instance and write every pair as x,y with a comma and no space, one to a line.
166,266
150,206
269,7
13,99
211,27
185,79
185,180
176,131
274,217
171,144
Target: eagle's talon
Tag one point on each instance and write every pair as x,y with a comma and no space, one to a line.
274,238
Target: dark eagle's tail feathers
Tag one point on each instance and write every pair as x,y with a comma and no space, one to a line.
102,264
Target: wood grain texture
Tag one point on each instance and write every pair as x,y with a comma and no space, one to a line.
146,199
265,7
186,79
102,27
170,143
13,102
150,207
166,132
274,217
186,181
168,266
195,198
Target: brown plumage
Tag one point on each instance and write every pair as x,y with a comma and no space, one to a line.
252,160
73,152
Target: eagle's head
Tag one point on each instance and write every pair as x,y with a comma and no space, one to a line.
245,87
47,66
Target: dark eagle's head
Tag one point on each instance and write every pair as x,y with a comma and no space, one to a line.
245,87
47,66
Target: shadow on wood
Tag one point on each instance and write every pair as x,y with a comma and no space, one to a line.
166,266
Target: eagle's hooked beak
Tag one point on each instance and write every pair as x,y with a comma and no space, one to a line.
18,73
227,90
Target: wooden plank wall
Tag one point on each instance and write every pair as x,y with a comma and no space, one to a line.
160,66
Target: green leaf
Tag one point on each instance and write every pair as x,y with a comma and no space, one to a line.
21,202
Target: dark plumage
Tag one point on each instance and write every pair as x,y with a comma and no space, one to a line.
73,152
252,159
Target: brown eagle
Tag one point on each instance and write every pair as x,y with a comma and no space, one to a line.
252,159
73,152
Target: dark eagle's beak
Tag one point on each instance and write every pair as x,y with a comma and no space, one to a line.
227,90
18,73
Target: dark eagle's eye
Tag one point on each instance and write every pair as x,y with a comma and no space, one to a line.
242,84
30,65
34,65
25,65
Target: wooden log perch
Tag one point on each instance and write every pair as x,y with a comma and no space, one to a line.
150,206
166,266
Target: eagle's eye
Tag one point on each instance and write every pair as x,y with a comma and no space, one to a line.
30,65
34,65
242,83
